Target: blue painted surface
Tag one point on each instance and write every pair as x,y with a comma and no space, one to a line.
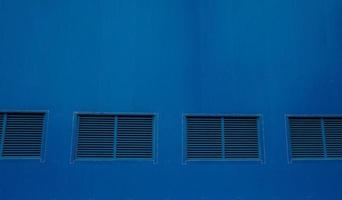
268,57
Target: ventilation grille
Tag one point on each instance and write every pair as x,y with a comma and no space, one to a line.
115,137
333,132
241,138
222,138
95,136
1,126
306,138
23,135
316,137
134,137
204,138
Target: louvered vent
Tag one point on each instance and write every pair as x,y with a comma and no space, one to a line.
204,138
241,138
23,135
306,137
222,138
115,136
1,126
135,137
333,132
95,136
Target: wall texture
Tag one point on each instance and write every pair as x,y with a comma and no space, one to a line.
170,57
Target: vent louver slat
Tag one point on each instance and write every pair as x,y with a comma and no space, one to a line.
306,138
204,138
95,136
241,138
134,137
23,135
333,132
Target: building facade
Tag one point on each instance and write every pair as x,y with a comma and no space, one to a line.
170,59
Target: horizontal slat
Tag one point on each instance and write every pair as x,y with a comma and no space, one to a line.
23,135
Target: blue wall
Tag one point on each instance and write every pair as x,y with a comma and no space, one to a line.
170,57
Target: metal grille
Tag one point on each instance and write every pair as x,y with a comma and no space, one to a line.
95,136
23,135
135,137
241,138
222,138
204,138
1,126
333,132
306,137
115,137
